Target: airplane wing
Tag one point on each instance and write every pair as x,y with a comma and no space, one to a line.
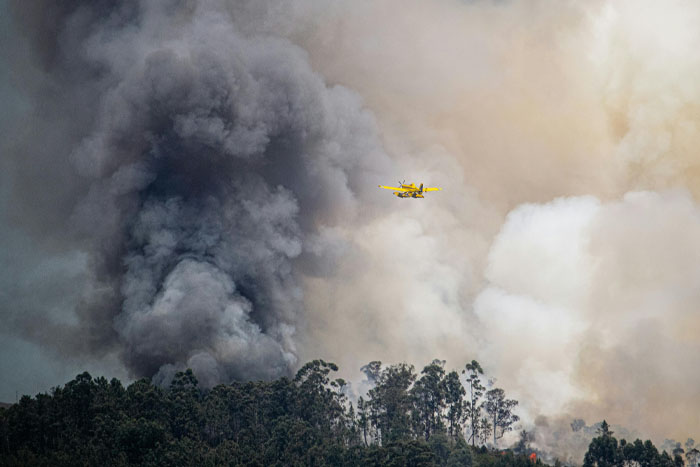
432,189
393,188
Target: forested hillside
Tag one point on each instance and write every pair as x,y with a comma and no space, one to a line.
407,419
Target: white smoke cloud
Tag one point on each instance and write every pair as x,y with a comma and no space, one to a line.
588,303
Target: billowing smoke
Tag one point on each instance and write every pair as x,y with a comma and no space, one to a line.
602,329
204,164
565,257
194,183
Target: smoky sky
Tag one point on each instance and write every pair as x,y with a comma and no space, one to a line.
194,183
192,165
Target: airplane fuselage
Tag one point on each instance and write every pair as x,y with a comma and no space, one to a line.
409,191
402,194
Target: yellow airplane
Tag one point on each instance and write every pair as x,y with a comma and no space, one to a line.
409,191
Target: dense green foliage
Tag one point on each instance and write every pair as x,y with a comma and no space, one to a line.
604,451
406,419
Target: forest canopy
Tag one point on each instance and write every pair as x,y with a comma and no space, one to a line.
407,418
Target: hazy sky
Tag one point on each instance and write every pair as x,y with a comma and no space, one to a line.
193,183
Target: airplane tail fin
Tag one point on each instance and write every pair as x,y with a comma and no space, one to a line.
421,188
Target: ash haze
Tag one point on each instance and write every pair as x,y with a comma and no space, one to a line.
193,183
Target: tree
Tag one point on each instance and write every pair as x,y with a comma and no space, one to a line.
137,437
146,400
372,370
428,395
602,452
320,401
650,453
500,411
390,403
353,428
4,433
473,407
677,451
461,455
363,419
439,445
604,429
454,401
185,409
484,428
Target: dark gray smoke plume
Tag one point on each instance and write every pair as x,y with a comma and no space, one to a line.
196,165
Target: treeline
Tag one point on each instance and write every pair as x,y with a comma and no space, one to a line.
605,451
424,419
402,404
